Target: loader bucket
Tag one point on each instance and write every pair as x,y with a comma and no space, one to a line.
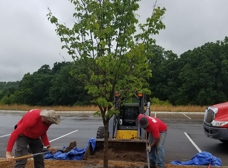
119,148
122,145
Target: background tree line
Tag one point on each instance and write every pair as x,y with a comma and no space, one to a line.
196,77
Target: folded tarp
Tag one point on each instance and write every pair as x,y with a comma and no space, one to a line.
202,158
73,154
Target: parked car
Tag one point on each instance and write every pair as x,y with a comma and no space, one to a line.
216,122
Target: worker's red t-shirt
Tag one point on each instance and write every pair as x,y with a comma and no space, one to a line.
31,126
155,126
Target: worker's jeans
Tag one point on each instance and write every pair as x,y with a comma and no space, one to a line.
157,153
21,149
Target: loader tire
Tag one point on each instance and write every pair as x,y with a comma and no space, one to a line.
100,132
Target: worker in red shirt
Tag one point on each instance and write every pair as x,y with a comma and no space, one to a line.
157,130
31,131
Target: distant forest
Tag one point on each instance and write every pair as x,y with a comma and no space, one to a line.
196,77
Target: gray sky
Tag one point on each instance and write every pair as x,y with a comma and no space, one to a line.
28,40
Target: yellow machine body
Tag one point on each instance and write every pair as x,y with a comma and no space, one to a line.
127,134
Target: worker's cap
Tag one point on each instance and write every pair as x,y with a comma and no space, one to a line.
143,122
51,116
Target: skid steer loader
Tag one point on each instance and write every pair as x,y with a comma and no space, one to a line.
125,134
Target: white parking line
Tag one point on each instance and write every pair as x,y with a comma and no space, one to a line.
63,136
186,116
197,148
5,135
50,140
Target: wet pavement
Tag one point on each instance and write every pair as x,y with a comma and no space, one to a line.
81,127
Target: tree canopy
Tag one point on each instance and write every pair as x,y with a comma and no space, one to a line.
113,48
113,54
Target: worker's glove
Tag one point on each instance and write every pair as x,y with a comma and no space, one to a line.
148,148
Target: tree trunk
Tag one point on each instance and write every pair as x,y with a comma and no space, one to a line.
106,146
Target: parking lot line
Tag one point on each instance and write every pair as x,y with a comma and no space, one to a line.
50,140
63,136
5,135
186,116
197,148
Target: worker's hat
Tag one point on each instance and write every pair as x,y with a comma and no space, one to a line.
51,116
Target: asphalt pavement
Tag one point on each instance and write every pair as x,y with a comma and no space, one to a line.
184,140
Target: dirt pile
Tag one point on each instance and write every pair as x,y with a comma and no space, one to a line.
91,164
120,156
117,159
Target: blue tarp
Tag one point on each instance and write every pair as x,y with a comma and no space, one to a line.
74,154
202,158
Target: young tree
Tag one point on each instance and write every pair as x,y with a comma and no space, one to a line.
113,47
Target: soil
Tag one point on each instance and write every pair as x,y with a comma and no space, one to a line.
94,163
120,155
116,160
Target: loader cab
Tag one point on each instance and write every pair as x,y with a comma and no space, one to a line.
129,113
124,125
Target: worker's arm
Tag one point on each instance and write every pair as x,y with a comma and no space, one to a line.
14,135
46,142
156,135
155,141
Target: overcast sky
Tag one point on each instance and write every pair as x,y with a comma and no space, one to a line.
28,40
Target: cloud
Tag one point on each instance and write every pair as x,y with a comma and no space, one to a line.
190,24
28,39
